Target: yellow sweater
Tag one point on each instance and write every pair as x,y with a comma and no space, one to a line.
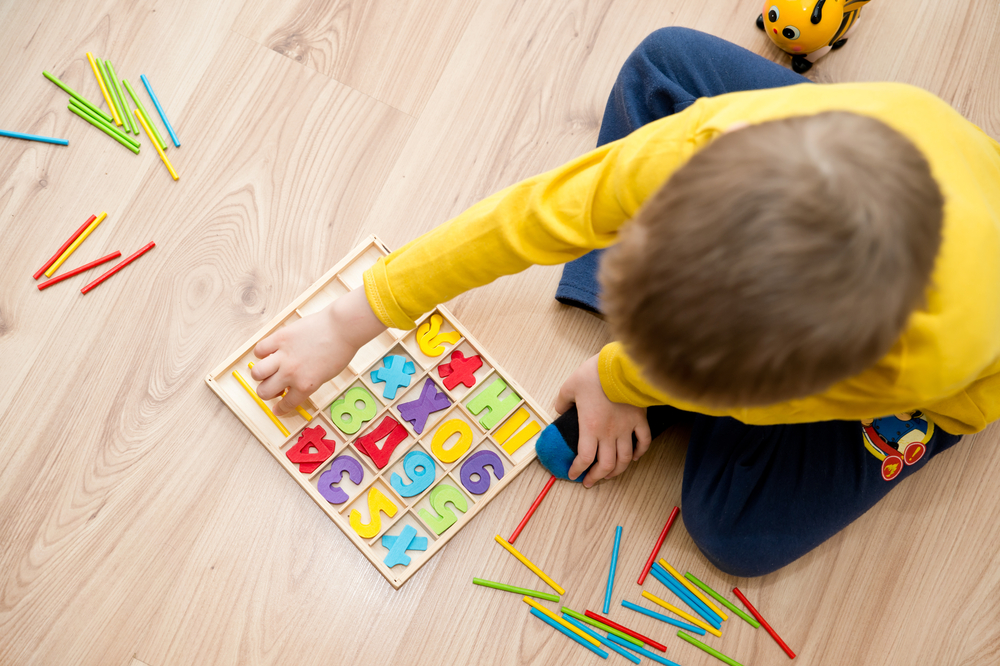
947,361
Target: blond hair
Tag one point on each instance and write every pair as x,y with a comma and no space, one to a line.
780,259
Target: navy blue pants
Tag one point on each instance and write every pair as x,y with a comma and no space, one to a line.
754,498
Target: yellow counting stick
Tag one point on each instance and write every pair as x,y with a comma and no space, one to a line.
695,591
524,560
587,637
261,404
152,139
696,621
303,413
104,89
65,255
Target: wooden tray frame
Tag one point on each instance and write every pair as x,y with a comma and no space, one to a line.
242,406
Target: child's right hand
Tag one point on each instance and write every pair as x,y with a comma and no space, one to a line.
304,355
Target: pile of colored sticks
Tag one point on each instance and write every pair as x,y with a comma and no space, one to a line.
71,244
704,616
122,121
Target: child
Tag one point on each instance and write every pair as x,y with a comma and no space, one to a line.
810,278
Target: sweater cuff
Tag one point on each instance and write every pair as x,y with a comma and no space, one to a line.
381,300
610,364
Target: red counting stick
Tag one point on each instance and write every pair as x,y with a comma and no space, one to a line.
76,234
77,271
531,510
656,548
625,630
763,622
120,265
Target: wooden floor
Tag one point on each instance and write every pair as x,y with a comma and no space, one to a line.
140,520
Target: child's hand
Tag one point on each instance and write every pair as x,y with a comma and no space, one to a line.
305,354
605,427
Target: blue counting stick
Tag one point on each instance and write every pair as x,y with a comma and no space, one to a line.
422,480
407,540
644,652
590,632
396,373
159,110
664,577
558,627
34,137
711,616
611,574
663,618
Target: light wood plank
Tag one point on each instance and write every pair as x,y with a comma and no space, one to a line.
393,51
140,518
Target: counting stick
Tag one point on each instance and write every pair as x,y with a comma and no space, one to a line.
63,247
693,603
542,609
722,600
33,137
107,128
120,265
75,244
531,510
645,653
514,589
607,643
149,133
558,627
142,110
524,560
611,573
760,618
77,96
303,413
600,625
696,621
102,65
693,590
120,97
663,618
159,110
656,548
712,651
261,403
81,269
104,89
633,634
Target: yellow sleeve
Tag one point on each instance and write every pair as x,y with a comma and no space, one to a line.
549,219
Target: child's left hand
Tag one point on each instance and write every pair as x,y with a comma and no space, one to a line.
605,427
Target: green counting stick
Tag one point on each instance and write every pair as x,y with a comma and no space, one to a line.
121,133
712,651
145,116
516,590
120,98
78,110
78,97
600,625
722,600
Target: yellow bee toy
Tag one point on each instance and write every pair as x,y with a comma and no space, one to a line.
808,29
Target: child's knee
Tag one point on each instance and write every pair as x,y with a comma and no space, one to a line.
734,554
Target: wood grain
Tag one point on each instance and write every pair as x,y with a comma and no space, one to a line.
138,518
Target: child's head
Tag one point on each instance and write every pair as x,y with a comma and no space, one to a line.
780,259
